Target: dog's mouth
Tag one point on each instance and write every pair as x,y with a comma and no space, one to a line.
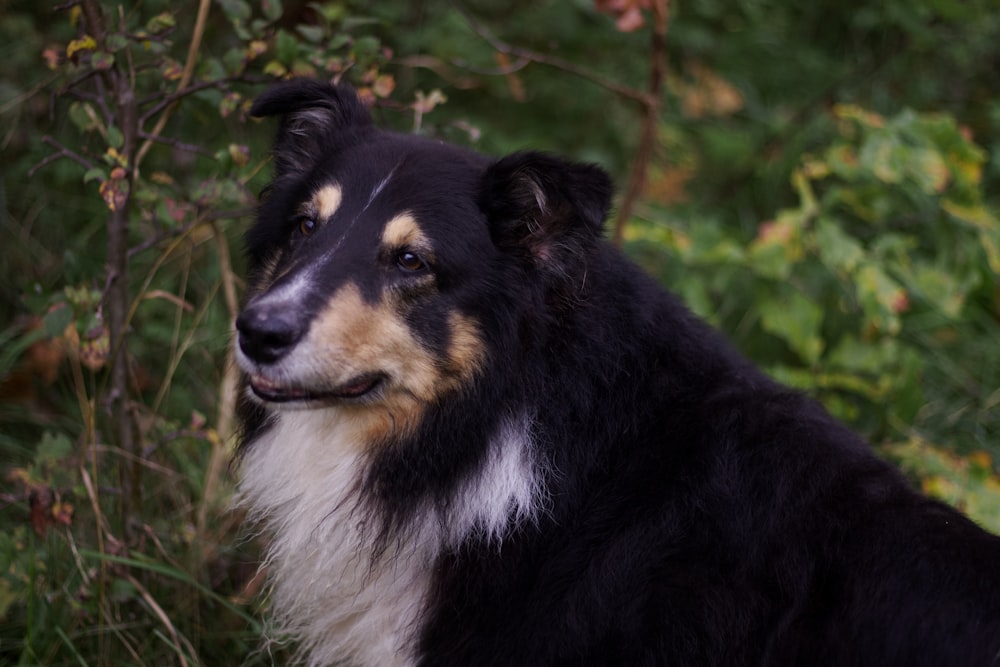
353,390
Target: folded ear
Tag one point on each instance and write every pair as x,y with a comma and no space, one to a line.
316,119
545,208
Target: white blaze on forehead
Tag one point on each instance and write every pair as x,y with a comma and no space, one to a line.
377,190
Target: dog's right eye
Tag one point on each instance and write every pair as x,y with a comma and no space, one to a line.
306,224
410,262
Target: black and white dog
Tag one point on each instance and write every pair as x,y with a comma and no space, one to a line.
477,435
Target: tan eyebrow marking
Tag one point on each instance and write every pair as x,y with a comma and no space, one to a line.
326,201
403,231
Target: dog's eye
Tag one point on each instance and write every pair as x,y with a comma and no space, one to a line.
307,225
410,261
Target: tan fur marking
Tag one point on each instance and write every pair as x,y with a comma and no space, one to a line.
354,338
403,231
326,201
465,353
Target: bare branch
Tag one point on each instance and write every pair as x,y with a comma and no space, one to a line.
192,57
207,217
169,100
63,152
190,148
554,61
650,121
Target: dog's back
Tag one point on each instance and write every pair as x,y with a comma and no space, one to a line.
479,436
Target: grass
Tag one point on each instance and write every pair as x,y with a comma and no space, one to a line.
86,578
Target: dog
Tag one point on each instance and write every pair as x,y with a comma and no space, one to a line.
476,434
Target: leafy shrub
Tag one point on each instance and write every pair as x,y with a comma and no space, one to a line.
852,294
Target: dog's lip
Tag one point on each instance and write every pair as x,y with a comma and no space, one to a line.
276,392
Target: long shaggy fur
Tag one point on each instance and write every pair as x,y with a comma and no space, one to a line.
475,434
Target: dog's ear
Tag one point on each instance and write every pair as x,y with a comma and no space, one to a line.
316,119
545,208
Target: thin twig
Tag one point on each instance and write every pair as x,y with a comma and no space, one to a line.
192,57
157,610
168,101
650,121
650,101
63,152
120,89
552,61
18,100
228,390
190,148
208,216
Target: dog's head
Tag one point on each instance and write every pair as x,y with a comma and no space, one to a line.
380,263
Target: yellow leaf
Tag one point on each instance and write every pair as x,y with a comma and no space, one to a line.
85,43
981,459
117,157
977,216
274,68
384,85
257,47
971,171
859,115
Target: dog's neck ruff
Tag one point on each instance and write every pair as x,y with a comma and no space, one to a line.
332,588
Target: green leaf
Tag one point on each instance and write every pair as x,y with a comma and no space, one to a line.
82,115
115,137
884,157
366,47
796,320
929,170
236,10
57,319
778,246
102,60
95,174
275,69
286,47
941,289
161,23
272,9
837,249
881,297
338,41
968,483
872,357
330,11
313,34
977,216
7,597
53,447
115,42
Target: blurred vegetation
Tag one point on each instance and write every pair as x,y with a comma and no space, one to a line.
820,181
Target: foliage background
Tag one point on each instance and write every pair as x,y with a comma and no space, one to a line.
820,181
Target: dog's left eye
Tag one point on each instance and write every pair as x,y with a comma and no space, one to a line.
410,262
306,224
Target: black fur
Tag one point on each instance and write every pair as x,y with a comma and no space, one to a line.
697,513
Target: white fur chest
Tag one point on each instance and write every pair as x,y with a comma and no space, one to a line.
299,484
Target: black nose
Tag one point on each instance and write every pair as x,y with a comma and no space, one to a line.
268,331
